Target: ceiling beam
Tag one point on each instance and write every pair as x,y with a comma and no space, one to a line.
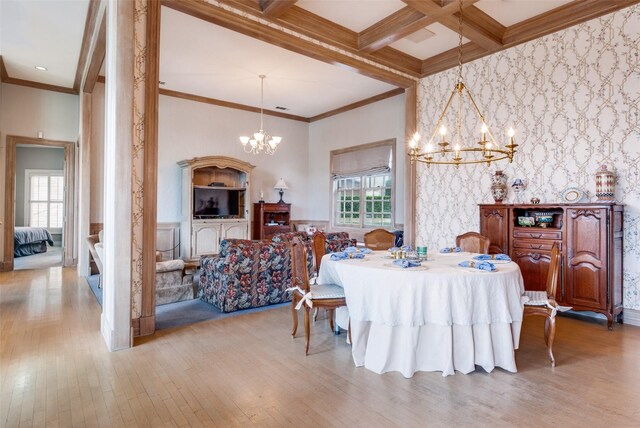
358,104
3,70
97,58
560,18
275,8
402,23
228,104
249,27
549,22
89,25
489,37
449,59
317,27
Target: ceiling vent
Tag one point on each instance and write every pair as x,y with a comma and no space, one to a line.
281,108
421,35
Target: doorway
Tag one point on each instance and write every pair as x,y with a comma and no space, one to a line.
39,202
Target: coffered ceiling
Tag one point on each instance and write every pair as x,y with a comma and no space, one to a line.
321,54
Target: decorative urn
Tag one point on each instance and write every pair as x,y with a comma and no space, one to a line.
605,184
498,186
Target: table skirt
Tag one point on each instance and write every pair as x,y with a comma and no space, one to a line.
382,348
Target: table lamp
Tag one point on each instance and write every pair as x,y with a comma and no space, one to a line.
281,185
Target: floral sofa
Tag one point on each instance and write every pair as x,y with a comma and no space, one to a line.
249,274
246,274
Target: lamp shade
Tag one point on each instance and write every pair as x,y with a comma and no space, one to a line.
281,184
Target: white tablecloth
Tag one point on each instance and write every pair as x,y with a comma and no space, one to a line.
436,317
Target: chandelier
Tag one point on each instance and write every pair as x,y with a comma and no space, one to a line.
443,152
260,141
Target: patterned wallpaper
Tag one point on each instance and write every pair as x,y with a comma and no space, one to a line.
137,154
573,98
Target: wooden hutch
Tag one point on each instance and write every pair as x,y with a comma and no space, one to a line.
271,219
590,239
215,204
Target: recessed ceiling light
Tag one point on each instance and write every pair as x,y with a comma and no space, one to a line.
41,68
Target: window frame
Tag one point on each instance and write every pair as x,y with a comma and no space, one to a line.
28,174
358,230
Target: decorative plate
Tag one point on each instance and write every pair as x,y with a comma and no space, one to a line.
572,194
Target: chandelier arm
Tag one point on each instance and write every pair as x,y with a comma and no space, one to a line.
444,112
477,110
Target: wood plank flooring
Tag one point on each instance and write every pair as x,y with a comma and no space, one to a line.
246,371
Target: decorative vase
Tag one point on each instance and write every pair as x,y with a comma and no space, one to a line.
498,187
605,184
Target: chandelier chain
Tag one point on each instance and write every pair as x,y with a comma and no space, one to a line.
460,41
484,151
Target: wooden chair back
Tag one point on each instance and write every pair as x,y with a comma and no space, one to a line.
379,239
554,272
318,240
473,242
299,272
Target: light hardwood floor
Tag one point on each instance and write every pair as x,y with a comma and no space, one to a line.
247,371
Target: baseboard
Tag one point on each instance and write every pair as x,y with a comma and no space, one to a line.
631,316
107,331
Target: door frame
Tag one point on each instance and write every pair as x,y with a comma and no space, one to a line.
69,225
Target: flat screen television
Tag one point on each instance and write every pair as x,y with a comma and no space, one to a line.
216,203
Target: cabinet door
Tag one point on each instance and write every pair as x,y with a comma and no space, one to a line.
235,231
534,265
586,259
495,226
206,239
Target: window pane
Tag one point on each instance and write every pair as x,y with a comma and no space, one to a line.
57,188
39,187
38,214
55,214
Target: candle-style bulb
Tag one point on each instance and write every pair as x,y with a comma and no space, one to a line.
511,132
484,128
443,130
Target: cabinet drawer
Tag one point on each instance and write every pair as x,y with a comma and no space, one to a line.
537,234
532,244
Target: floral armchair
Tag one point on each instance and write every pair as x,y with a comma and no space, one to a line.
249,274
246,274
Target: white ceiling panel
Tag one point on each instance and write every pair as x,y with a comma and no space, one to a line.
356,15
45,33
442,40
200,58
510,12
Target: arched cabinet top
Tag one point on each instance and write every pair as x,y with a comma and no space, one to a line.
221,162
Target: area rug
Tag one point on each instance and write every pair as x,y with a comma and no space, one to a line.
93,282
193,311
183,313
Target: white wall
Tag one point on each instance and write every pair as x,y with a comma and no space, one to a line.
573,98
25,111
50,158
374,122
188,129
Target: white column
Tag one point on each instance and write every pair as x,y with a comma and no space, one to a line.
116,315
84,184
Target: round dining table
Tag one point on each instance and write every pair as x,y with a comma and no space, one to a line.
434,317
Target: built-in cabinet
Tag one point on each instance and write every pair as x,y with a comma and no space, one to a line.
271,219
215,204
589,237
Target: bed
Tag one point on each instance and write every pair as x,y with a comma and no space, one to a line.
30,240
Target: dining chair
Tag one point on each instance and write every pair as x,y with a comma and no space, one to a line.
318,243
307,296
379,239
473,242
543,303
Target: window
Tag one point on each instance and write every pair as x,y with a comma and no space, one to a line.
44,198
363,186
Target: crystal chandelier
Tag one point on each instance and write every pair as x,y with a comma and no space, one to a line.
261,141
443,152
